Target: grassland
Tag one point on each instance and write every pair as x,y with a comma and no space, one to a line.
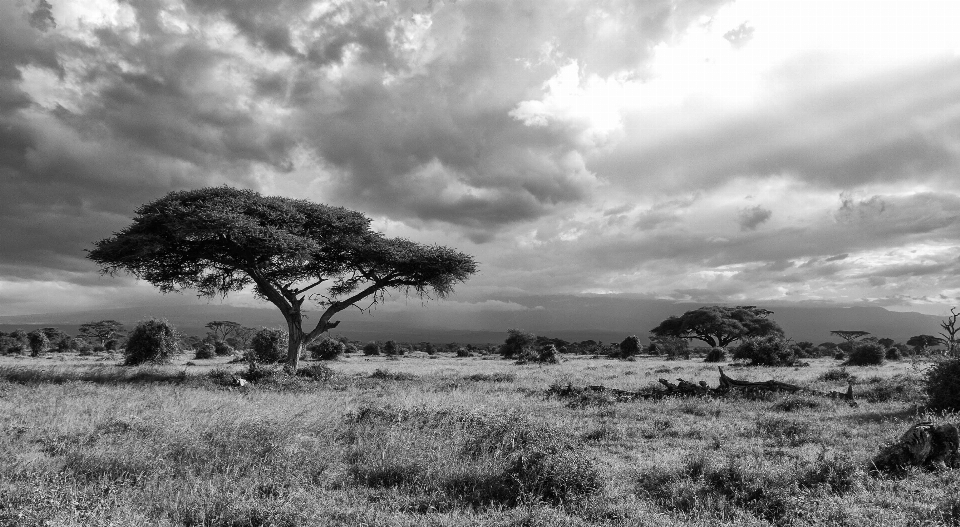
445,441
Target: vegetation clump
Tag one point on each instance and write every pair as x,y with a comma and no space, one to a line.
222,349
866,354
371,348
630,347
771,350
205,351
269,345
518,343
943,385
327,349
716,355
154,340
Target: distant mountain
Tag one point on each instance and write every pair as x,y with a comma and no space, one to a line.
607,318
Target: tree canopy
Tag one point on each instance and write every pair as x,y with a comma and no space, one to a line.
849,335
221,240
102,331
718,326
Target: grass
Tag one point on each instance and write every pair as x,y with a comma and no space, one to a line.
451,441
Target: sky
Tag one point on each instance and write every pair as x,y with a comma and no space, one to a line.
706,151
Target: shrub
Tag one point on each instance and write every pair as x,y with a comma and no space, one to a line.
840,355
112,345
205,350
716,355
629,347
464,353
771,350
866,353
327,349
371,348
64,344
38,342
154,340
390,348
893,353
80,345
545,355
318,372
672,347
222,349
269,345
517,341
943,385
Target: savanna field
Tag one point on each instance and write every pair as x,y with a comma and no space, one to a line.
453,441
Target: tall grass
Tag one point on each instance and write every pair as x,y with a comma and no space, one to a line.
448,442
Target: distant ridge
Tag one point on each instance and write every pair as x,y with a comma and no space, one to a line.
607,318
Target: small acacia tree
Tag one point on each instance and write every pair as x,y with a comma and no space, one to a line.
222,240
102,331
719,326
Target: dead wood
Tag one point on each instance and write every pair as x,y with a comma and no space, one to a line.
925,445
684,388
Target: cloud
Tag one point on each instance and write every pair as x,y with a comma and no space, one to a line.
883,128
751,218
740,35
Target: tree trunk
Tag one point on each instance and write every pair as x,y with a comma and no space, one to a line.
295,341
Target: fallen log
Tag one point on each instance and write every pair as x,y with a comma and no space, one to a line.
686,388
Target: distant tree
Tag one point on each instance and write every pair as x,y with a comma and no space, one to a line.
54,335
920,343
371,348
222,240
630,347
102,331
220,330
950,337
719,326
850,336
38,342
517,341
242,336
886,342
390,348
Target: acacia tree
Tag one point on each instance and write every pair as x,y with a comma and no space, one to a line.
221,240
222,329
850,336
920,343
103,330
718,326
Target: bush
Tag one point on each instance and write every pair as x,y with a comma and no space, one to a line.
517,341
222,349
112,345
390,348
64,344
672,347
327,349
893,353
463,353
629,347
771,350
716,355
866,353
80,345
545,355
943,385
269,345
205,350
154,340
371,348
38,342
840,355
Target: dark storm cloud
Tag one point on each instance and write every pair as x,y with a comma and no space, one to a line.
886,128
